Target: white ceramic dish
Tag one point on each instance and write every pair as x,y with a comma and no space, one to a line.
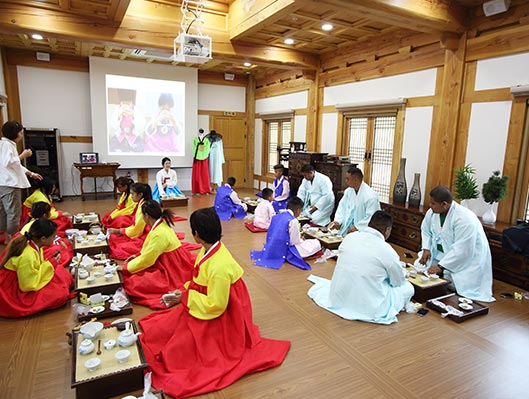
425,279
434,277
82,274
465,300
92,364
109,344
90,280
122,356
466,306
108,277
97,309
91,330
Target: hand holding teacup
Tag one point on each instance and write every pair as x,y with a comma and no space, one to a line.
171,298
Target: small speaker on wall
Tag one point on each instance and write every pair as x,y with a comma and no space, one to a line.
229,76
43,56
494,7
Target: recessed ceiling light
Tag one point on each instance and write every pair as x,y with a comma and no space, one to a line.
36,36
247,64
327,27
289,41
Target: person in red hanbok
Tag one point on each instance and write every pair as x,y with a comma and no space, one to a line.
163,263
209,341
127,241
123,214
44,190
30,283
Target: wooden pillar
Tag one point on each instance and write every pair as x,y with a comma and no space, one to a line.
143,176
446,118
250,130
313,115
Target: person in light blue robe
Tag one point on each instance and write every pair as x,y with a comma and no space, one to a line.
358,204
368,284
316,193
453,241
216,158
283,241
227,202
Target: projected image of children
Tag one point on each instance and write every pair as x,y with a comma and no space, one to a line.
164,133
125,123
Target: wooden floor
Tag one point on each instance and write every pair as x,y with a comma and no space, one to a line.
427,357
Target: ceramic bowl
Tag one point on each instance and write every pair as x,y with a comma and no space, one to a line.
109,344
108,276
122,356
109,269
82,233
424,279
91,330
82,273
98,274
90,280
92,364
312,230
413,273
86,347
434,277
71,232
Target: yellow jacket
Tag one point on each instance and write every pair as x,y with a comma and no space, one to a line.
217,273
136,230
126,210
160,239
33,272
39,196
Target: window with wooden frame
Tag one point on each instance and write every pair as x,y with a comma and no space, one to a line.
372,138
278,133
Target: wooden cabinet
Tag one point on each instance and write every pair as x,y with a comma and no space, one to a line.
407,221
296,162
510,267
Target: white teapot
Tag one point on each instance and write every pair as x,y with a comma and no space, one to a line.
86,347
127,337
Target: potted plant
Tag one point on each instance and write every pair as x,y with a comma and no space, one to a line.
494,190
465,184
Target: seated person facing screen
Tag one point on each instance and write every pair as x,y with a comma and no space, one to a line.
123,214
316,193
30,283
358,204
44,190
162,265
166,182
127,241
209,341
454,242
264,211
227,202
284,242
368,284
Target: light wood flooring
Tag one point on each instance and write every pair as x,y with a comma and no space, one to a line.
427,357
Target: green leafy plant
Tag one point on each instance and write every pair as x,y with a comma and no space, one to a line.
495,189
465,184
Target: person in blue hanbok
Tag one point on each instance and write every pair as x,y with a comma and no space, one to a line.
227,202
369,283
358,204
284,242
453,241
216,159
281,188
166,182
316,193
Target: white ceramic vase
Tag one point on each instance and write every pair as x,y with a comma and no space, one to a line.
489,217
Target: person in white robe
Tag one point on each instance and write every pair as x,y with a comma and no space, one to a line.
316,193
358,204
453,241
166,182
369,284
264,211
216,159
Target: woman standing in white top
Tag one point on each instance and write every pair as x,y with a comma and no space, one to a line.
166,182
13,178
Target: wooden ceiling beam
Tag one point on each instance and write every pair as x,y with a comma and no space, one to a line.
136,32
429,16
247,17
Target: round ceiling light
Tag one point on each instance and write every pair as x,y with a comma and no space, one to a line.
36,36
247,64
289,41
327,27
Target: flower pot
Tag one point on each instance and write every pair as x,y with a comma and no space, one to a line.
489,217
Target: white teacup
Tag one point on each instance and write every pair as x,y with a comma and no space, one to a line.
122,356
92,364
413,273
82,274
424,279
98,274
90,280
108,276
109,344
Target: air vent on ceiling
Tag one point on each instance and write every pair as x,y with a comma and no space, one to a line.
160,55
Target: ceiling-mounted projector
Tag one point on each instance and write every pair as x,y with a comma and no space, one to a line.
494,7
192,48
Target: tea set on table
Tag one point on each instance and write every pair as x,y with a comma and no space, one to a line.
92,330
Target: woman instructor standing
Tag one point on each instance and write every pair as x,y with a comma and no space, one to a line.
13,178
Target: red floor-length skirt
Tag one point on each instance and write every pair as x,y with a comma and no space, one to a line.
200,177
117,223
170,271
15,303
189,356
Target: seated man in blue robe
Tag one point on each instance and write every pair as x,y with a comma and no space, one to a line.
227,203
369,283
284,242
316,193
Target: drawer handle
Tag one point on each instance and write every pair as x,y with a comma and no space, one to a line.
415,219
413,235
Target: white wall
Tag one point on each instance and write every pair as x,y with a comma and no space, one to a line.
329,128
221,98
501,72
285,102
300,128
